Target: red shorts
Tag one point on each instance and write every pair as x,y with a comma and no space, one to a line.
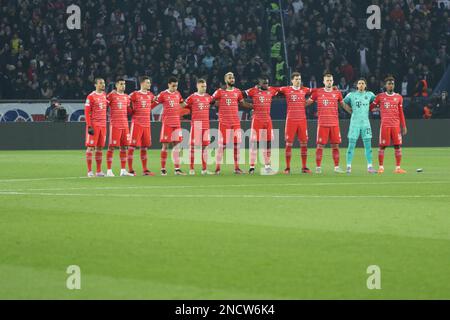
229,132
333,134
119,137
140,136
170,134
299,128
390,135
261,130
98,139
199,136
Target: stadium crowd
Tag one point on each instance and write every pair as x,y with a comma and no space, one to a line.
412,43
41,58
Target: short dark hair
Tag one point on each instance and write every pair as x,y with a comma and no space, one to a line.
172,79
98,79
263,77
295,74
144,78
327,74
201,80
389,78
118,79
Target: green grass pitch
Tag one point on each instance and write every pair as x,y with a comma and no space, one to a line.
227,237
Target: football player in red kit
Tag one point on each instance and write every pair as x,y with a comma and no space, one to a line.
140,110
261,130
199,104
229,100
328,99
119,135
296,123
171,134
95,115
393,123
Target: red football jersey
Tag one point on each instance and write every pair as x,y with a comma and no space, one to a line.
228,105
391,110
327,106
199,106
95,109
262,102
296,102
141,107
171,108
118,107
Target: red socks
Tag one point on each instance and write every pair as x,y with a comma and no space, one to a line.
319,156
144,159
288,153
219,157
89,160
130,158
176,157
336,156
236,156
163,159
304,155
398,157
123,159
381,157
98,160
109,159
204,158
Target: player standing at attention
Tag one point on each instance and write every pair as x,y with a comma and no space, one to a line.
296,123
261,129
393,123
140,109
229,100
199,105
328,102
171,134
95,115
358,104
119,135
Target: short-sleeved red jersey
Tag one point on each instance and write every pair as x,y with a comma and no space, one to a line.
118,104
141,107
296,102
199,105
391,110
262,102
95,109
327,106
228,105
171,108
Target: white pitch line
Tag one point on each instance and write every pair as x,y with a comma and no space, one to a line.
40,179
162,187
246,196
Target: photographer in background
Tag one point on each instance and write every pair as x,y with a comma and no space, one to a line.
56,112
